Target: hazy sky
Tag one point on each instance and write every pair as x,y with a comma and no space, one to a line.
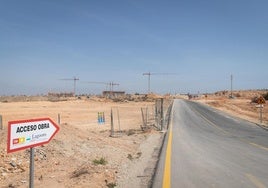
203,42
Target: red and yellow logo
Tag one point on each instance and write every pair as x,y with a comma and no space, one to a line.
19,140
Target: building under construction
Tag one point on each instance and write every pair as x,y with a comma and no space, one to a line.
62,94
113,94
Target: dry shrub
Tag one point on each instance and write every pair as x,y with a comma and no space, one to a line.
254,99
265,96
237,95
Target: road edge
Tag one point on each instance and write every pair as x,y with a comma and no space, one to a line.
168,115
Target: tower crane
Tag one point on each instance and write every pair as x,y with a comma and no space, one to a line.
149,78
110,84
75,79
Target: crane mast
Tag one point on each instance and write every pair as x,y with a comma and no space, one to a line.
149,78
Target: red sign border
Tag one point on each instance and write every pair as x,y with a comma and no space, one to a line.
29,121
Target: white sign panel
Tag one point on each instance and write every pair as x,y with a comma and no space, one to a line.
30,133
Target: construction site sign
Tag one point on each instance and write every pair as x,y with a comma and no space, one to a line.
261,100
25,134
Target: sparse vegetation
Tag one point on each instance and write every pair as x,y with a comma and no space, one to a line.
130,157
101,161
78,121
265,96
111,185
254,99
237,95
139,154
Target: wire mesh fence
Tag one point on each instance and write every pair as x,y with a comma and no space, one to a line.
127,119
148,117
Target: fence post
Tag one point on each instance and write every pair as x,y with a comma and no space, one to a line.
112,123
157,111
146,116
58,119
162,114
1,122
143,120
118,120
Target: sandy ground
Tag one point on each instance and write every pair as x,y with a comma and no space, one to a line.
69,160
240,107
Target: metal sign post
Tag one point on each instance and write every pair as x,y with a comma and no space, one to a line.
31,182
261,113
28,134
261,102
260,106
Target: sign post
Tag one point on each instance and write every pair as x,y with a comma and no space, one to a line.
261,102
260,106
25,134
261,114
31,182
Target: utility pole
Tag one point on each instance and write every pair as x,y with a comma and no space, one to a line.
231,86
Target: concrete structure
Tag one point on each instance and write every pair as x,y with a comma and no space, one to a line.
113,94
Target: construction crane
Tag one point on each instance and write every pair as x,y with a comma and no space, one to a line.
149,78
110,84
72,79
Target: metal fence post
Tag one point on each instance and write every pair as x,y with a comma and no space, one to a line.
112,123
143,119
1,122
58,119
118,120
162,114
157,114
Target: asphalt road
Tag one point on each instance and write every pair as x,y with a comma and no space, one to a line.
208,148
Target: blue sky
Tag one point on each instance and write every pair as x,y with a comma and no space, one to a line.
203,42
